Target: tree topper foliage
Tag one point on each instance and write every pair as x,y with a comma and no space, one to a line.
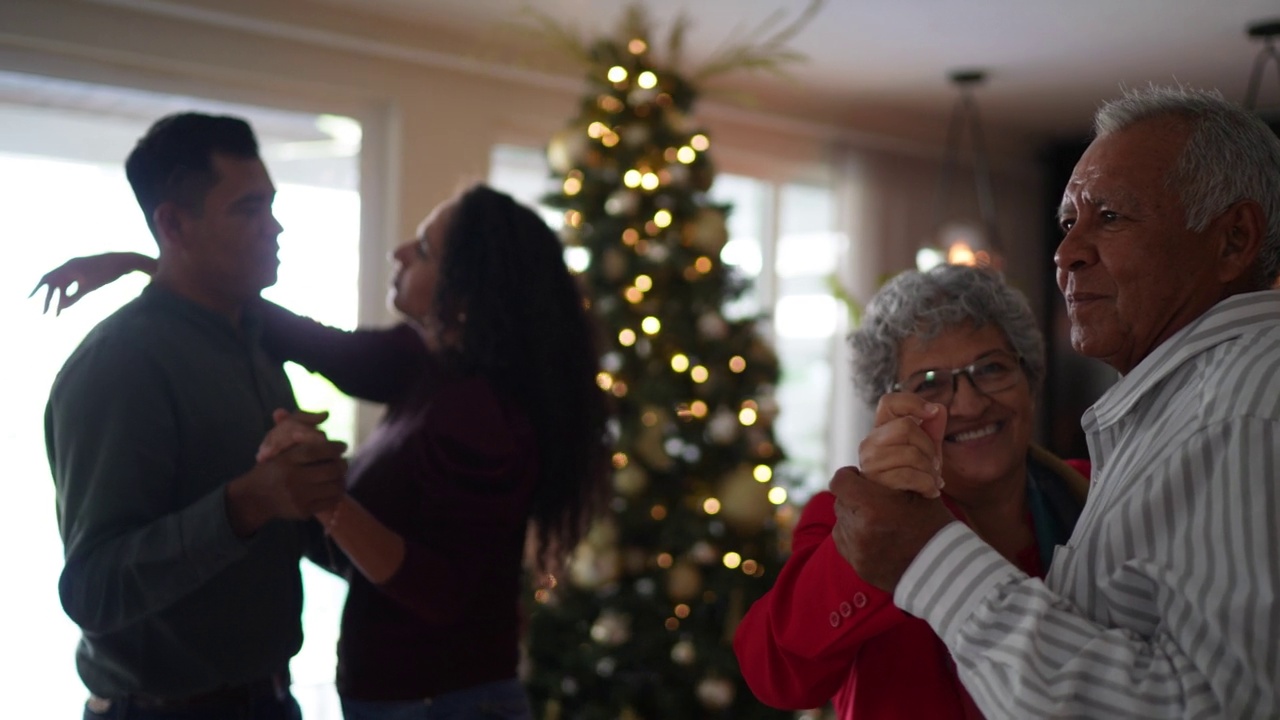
761,47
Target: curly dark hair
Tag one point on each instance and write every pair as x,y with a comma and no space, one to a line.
529,332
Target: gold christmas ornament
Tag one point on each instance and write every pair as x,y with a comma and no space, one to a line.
712,326
744,502
716,693
684,581
649,446
611,628
723,427
592,569
706,231
683,653
567,149
631,480
614,264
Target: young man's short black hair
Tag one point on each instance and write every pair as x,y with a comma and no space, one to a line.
173,162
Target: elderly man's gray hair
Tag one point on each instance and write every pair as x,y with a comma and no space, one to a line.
1231,155
925,304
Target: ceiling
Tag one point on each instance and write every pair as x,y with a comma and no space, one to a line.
873,63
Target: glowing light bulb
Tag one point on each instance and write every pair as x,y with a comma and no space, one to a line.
617,74
647,79
686,155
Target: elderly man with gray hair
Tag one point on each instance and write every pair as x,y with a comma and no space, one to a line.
1166,600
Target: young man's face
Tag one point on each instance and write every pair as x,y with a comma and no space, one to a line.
231,245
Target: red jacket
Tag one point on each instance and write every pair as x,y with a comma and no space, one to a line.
823,634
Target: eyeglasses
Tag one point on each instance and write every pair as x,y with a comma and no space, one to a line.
991,373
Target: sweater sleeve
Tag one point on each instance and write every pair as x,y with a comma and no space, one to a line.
477,469
797,644
370,364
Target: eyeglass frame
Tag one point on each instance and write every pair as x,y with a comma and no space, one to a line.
967,371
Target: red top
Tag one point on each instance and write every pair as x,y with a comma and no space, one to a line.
823,634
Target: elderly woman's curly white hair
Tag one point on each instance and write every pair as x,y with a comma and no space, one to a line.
924,304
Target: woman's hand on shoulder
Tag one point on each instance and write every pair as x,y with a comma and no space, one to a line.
80,276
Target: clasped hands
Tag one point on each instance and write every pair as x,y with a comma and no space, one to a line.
889,507
299,474
301,429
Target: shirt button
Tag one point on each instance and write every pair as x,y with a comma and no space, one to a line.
859,600
845,609
835,620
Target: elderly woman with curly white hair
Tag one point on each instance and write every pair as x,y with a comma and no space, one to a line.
953,338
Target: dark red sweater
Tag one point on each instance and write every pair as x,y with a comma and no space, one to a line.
451,468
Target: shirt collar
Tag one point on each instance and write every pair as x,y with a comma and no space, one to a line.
1229,319
180,305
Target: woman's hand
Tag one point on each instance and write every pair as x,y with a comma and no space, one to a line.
291,429
904,450
87,274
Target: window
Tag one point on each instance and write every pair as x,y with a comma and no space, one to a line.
783,237
64,194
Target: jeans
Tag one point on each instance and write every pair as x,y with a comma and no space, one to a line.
260,708
502,700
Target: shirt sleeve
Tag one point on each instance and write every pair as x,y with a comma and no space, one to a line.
1204,591
112,437
373,365
797,644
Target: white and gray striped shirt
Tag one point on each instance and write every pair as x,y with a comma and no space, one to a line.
1166,600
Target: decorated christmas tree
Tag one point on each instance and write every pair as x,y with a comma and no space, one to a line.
640,624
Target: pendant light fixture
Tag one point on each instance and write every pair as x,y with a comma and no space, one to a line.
1268,31
963,243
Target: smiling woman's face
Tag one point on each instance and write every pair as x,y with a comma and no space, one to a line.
987,435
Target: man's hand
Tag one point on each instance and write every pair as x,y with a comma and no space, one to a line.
904,450
295,484
880,530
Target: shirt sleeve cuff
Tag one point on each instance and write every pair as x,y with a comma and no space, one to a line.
950,578
207,536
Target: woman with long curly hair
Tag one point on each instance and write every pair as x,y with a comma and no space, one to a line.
494,431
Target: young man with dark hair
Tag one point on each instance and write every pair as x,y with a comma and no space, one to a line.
181,552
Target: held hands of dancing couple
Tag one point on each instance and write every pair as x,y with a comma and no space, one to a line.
890,507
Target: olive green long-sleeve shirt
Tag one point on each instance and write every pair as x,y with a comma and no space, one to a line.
162,404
